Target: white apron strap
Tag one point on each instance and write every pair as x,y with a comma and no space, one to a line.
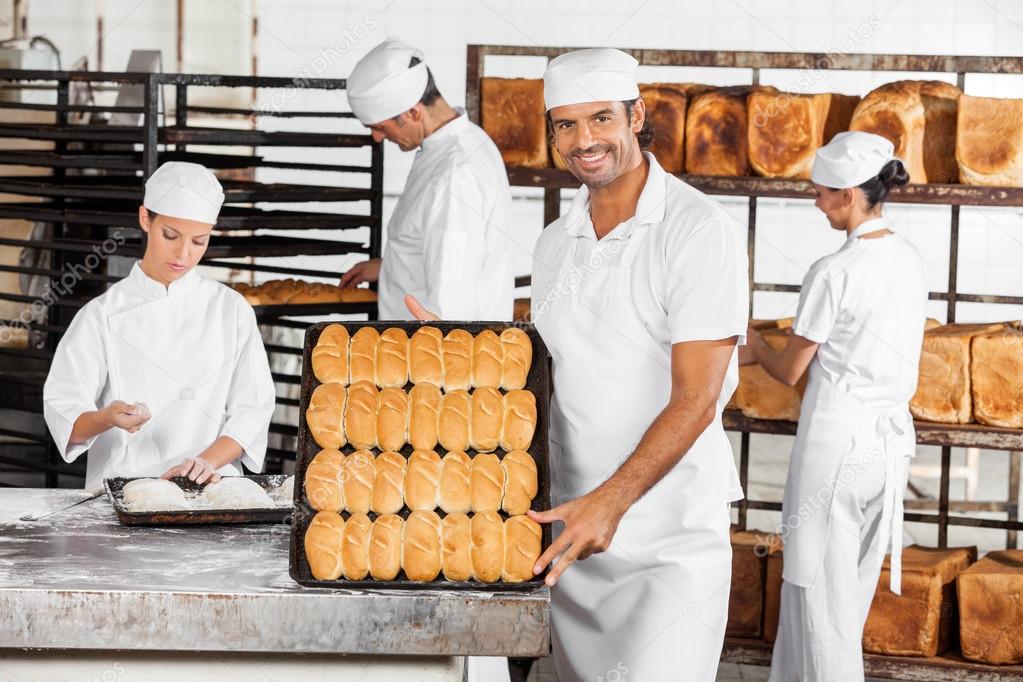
889,430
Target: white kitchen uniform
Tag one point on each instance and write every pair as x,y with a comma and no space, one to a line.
653,606
446,240
191,352
866,306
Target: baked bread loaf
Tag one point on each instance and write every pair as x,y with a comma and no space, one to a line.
990,617
323,541
919,117
355,547
385,540
943,384
989,141
455,476
512,113
786,129
392,418
357,475
330,355
392,358
422,480
486,419
521,548
293,292
486,483
516,358
521,484
453,422
426,359
750,552
424,411
519,420
716,133
388,483
486,359
457,349
362,355
456,553
487,533
996,377
666,111
761,396
324,415
421,558
361,415
323,481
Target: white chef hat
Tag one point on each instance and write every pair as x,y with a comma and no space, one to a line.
593,75
184,190
382,85
850,159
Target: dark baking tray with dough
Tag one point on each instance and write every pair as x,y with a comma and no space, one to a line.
537,381
191,517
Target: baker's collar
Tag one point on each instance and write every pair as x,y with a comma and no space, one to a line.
153,289
649,208
868,226
452,128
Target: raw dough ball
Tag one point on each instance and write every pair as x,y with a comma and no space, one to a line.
235,492
154,494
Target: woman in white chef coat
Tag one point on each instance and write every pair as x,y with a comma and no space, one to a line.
859,329
165,374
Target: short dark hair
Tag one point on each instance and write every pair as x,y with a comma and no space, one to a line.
645,135
430,94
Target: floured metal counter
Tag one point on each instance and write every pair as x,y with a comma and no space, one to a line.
78,580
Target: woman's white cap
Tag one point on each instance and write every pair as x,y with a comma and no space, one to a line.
179,189
850,159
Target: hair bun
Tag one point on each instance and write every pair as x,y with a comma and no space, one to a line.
893,174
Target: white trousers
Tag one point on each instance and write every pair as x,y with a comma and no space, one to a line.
487,669
820,630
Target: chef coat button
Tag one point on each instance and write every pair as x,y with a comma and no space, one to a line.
186,394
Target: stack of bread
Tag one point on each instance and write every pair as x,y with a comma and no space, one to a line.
295,292
460,514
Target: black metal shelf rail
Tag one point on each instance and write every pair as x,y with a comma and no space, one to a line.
95,182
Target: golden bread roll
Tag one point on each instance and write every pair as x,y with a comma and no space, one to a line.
323,542
487,546
485,419
422,480
457,348
355,547
512,114
486,359
361,415
455,551
388,483
316,292
323,481
330,355
358,295
522,544
453,420
521,482
425,357
392,358
392,418
519,420
421,551
385,541
516,358
424,409
362,355
486,483
357,474
455,470
324,415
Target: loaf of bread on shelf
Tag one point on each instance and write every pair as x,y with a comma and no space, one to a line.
486,419
919,117
392,358
358,295
487,479
392,418
360,420
666,111
330,355
512,113
996,377
357,474
516,358
323,542
296,292
519,420
521,482
422,556
426,359
323,481
362,355
761,396
716,133
385,541
388,496
324,415
455,477
424,411
989,141
486,359
453,420
943,383
457,349
522,541
355,547
487,546
456,547
786,129
990,613
422,480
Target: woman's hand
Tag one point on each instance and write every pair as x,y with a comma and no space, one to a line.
196,469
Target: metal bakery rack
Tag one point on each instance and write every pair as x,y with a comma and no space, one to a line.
947,436
74,162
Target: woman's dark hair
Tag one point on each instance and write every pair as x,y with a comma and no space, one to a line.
893,174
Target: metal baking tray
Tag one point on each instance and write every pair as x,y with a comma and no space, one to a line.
115,493
537,381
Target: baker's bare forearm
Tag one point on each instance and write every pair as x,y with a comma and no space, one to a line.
222,452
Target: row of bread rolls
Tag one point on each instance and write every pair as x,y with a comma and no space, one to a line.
368,417
458,361
482,547
294,291
454,483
